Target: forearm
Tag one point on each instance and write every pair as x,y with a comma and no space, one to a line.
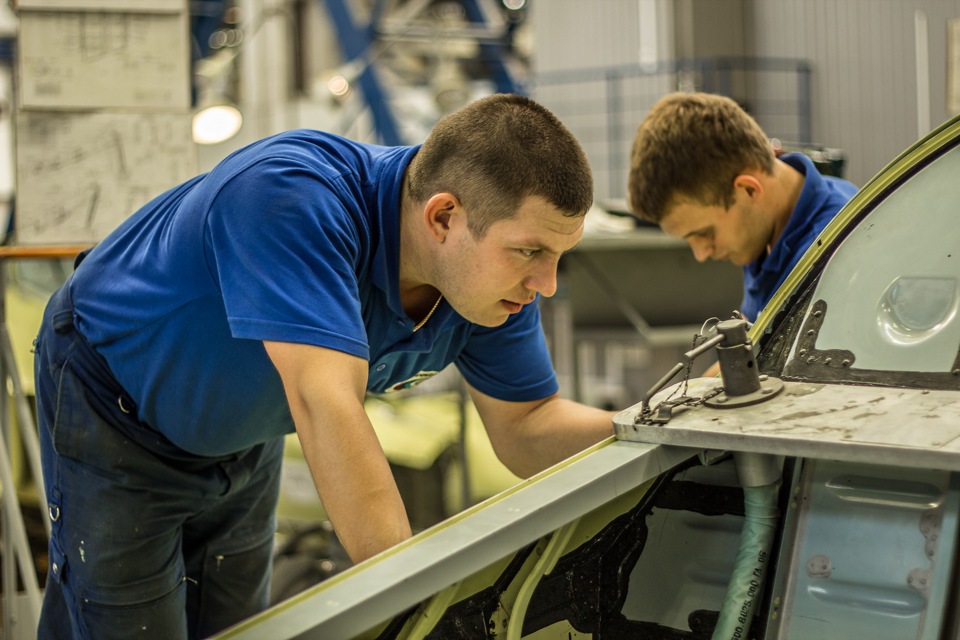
358,490
348,465
551,432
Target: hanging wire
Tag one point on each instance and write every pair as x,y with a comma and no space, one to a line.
700,344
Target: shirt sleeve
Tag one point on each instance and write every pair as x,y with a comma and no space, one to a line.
510,362
285,246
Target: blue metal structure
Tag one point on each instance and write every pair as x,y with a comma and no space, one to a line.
492,52
357,39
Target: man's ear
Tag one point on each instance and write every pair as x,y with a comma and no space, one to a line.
750,184
439,213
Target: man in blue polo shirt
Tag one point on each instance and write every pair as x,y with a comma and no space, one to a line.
704,170
269,296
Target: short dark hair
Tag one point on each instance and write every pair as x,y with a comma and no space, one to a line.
693,146
495,152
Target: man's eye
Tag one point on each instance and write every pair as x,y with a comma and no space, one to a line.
529,253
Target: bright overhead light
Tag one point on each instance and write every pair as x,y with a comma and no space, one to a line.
339,85
216,123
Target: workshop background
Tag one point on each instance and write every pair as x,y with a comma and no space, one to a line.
85,139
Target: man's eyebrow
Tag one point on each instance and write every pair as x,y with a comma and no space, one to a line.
697,232
540,246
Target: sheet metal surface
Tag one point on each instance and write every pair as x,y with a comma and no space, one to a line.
881,425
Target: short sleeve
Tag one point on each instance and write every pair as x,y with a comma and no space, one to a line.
510,362
286,243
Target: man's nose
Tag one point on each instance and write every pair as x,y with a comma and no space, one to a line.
701,250
543,280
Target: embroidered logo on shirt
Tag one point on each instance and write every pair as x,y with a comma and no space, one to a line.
412,382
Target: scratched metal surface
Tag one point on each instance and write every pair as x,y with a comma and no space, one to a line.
882,425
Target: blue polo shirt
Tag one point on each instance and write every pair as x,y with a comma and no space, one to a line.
820,200
295,239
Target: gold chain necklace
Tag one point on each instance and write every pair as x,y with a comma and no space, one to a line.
429,313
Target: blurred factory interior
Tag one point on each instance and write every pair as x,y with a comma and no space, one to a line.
177,85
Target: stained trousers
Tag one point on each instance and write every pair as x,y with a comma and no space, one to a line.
148,540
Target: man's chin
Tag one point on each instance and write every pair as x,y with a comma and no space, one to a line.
489,320
494,322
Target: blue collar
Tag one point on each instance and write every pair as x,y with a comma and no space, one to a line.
812,197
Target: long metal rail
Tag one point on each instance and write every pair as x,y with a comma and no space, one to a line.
374,591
